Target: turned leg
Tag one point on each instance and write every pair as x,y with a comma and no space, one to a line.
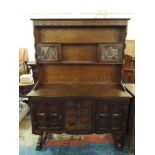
41,140
119,141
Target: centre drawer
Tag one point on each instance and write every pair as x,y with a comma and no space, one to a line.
78,104
72,111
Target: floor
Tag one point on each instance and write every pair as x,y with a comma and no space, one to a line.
101,144
26,138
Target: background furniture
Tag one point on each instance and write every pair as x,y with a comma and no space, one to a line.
79,65
23,108
131,118
129,69
31,65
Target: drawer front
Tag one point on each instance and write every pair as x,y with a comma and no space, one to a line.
116,108
103,107
78,115
81,123
48,120
53,106
78,104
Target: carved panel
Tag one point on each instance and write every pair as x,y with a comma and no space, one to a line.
48,52
110,53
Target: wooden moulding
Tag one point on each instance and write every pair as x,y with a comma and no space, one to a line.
80,22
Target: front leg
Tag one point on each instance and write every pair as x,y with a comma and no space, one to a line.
41,140
119,140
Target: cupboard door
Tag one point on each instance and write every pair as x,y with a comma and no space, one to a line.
110,114
48,114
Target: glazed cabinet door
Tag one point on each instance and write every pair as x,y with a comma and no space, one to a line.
48,53
47,114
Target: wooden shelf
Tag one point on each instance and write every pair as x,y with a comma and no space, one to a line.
78,63
93,90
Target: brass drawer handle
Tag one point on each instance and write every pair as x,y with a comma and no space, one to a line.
78,105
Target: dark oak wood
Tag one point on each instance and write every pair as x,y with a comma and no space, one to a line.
79,73
79,66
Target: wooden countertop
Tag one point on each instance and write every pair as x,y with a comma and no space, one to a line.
79,90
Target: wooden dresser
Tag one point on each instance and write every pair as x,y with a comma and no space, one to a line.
79,70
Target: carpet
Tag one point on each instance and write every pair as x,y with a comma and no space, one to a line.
91,149
64,144
76,145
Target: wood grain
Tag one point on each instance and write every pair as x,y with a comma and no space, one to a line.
80,35
79,73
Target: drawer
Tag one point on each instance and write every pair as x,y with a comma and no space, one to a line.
73,119
47,120
111,106
48,106
70,111
116,108
41,119
53,123
103,107
84,123
79,104
52,116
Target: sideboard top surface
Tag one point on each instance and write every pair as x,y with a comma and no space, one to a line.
79,90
